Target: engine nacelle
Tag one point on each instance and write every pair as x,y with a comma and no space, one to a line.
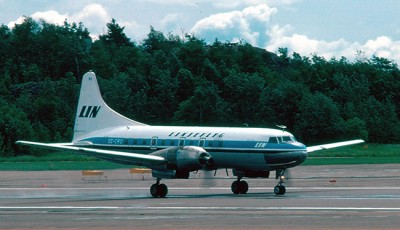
181,161
191,158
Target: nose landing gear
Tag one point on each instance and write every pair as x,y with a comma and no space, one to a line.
280,189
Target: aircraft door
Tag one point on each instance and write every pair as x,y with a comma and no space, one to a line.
182,142
153,142
202,141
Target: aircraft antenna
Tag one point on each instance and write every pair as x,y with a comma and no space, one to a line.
283,127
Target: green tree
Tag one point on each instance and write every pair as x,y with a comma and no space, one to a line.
279,102
204,107
382,121
242,92
192,55
115,35
318,119
14,126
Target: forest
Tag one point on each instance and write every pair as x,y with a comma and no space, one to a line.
182,80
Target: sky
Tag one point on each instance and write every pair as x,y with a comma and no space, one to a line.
328,28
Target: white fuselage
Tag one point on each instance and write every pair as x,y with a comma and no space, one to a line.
239,148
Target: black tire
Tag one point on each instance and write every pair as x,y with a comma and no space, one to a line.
235,187
154,190
279,190
276,190
162,190
244,187
283,190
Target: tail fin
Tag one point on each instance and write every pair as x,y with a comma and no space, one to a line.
93,113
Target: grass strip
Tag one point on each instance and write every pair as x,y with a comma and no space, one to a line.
357,154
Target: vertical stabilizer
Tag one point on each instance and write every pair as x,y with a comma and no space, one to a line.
93,113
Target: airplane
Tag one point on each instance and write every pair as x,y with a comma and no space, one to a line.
173,152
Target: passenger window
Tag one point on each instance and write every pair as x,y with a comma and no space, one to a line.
273,140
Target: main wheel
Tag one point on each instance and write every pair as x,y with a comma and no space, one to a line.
240,187
235,187
162,190
159,190
154,190
244,187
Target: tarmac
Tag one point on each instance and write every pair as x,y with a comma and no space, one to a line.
317,197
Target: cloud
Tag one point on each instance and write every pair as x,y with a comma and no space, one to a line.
133,30
93,16
233,4
50,16
383,46
282,37
235,25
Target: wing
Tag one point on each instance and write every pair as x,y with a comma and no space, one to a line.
332,145
109,155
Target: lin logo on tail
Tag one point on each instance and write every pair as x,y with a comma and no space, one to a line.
89,111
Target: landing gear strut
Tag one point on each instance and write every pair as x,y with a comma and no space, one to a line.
158,190
280,189
240,186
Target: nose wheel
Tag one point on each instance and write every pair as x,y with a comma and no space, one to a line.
158,190
279,190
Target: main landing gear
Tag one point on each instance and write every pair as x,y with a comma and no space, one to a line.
280,189
158,190
240,186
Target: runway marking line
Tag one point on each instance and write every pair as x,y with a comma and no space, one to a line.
5,208
204,188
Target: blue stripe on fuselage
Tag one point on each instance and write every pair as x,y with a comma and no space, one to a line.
209,145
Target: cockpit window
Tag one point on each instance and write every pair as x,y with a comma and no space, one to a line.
288,139
281,139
